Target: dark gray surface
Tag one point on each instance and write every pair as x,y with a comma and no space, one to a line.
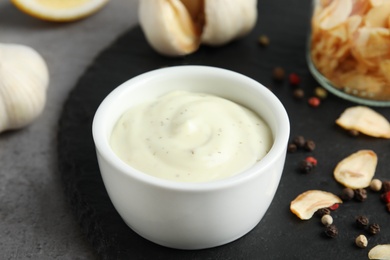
35,219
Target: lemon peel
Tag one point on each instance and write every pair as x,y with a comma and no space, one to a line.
59,10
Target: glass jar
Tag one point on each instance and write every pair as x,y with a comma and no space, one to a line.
349,49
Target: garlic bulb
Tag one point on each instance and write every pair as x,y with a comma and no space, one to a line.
178,27
24,78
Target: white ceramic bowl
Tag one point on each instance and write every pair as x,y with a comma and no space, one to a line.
191,215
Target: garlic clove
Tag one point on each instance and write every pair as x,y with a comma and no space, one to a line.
178,27
226,20
168,27
24,79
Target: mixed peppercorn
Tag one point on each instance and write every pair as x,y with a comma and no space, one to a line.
309,163
360,194
279,75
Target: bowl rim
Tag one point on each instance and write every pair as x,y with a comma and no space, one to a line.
277,149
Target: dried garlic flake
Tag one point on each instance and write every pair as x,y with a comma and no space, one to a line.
357,170
307,203
365,120
380,252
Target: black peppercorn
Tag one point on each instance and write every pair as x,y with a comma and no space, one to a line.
298,93
278,74
263,40
374,229
299,141
323,211
347,194
331,231
386,186
361,194
353,133
362,221
305,166
292,148
309,145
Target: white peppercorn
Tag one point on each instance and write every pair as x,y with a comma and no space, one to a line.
361,241
376,185
327,220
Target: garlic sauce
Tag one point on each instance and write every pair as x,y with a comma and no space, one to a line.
190,137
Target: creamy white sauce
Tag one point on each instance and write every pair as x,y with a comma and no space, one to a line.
190,137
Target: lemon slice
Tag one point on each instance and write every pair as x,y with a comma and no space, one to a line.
59,10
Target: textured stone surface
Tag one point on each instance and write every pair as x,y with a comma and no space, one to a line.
36,221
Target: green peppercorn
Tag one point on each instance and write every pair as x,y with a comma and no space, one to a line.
320,92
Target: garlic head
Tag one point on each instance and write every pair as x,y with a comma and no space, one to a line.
24,79
179,27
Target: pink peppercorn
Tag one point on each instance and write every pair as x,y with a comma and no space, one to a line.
334,206
386,197
314,101
311,160
294,79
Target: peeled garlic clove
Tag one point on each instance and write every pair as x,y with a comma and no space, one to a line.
24,78
307,203
380,252
168,27
364,120
227,20
357,170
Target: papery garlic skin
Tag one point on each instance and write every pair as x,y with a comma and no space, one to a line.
227,20
24,78
168,27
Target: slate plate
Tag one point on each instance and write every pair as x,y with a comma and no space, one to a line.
280,235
